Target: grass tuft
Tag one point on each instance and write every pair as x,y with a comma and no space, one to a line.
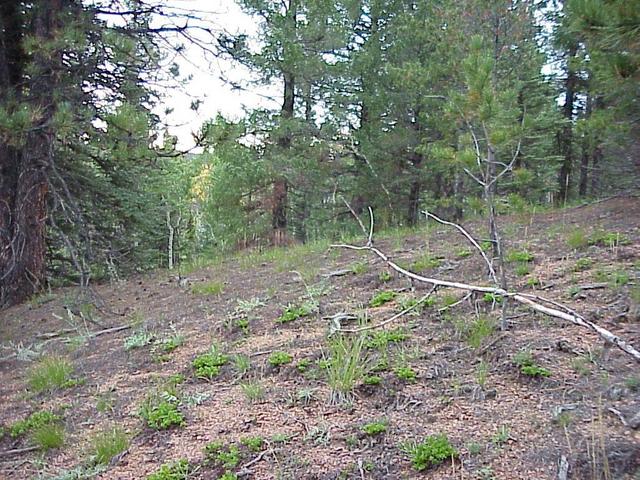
51,373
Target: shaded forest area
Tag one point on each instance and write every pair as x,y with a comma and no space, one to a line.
457,107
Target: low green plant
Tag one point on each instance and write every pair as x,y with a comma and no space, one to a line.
528,367
474,448
253,391
208,364
372,380
406,373
535,371
169,344
139,339
492,298
581,365
501,436
577,239
160,411
374,428
633,384
229,457
345,367
384,276
520,256
176,379
482,372
228,476
178,470
382,338
358,268
464,253
51,373
583,264
241,363
481,328
109,443
293,312
381,298
280,437
522,269
33,421
208,288
432,451
254,444
279,358
618,278
303,365
608,239
242,324
533,282
424,262
48,436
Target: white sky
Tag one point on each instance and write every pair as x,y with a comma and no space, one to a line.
206,84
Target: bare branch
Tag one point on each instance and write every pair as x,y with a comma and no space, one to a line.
470,238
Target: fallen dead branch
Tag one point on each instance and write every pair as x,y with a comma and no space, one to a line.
532,301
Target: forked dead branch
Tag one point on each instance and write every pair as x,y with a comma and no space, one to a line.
534,302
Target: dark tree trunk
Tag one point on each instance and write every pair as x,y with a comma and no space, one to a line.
279,198
24,164
566,136
414,203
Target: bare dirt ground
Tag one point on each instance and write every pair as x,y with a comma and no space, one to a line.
504,424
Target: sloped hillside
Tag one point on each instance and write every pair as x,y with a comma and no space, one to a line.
230,373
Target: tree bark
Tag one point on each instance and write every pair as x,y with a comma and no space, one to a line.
25,159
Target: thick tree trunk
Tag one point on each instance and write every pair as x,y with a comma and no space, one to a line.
24,162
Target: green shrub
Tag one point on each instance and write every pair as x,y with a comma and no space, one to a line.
608,239
139,339
374,428
253,443
161,411
424,262
521,256
227,457
384,276
293,312
51,373
372,380
406,373
208,288
433,451
382,338
33,421
279,358
381,298
528,367
108,444
208,364
178,470
492,298
48,436
358,268
583,264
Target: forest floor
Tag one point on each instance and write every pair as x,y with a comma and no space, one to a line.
442,371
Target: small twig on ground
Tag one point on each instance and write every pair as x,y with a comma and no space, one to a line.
17,451
110,330
462,300
619,414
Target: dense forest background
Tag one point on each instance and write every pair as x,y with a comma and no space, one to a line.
400,105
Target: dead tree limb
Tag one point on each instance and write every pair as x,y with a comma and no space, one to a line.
561,311
470,238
